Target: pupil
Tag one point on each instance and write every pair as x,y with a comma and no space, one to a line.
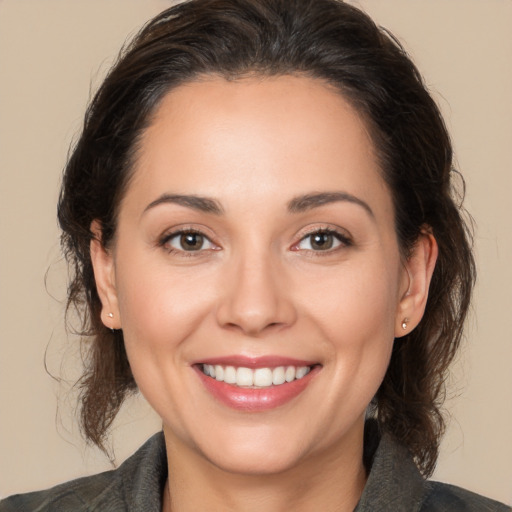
321,241
191,241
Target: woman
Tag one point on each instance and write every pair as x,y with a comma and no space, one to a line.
260,219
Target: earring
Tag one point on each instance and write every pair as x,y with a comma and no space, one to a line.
405,321
111,315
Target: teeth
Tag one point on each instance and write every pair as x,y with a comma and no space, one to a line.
279,376
258,378
301,372
289,374
230,375
263,377
219,372
244,377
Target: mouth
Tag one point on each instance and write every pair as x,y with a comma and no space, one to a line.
258,378
256,385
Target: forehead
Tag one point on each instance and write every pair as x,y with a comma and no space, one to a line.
259,136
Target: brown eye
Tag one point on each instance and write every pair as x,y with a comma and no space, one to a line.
191,241
323,240
188,241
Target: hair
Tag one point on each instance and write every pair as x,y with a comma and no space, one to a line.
322,39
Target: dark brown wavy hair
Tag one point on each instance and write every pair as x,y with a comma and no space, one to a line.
324,39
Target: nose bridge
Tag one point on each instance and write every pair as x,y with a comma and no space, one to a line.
254,296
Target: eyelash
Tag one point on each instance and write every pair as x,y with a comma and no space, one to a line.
183,231
343,239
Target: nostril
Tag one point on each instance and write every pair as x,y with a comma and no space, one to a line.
253,302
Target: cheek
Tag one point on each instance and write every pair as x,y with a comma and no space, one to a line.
353,300
161,306
355,312
160,312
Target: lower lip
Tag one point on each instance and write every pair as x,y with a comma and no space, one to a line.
255,400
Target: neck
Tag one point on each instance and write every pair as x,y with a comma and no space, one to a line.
330,481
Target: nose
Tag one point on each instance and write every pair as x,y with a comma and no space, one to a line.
256,297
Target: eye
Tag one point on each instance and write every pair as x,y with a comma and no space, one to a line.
188,241
323,240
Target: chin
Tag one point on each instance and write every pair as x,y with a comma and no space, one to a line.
253,451
255,461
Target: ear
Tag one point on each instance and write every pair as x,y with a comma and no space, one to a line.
418,270
104,275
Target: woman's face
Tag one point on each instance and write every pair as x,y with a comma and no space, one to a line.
257,237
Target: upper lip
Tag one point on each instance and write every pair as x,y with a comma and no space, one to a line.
269,361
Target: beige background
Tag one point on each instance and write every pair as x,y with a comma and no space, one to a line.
53,52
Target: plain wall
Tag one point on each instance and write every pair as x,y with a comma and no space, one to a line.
54,52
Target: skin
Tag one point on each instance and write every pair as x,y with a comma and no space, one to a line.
258,287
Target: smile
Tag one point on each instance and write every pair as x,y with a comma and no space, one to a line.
256,385
258,378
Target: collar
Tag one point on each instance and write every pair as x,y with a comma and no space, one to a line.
394,482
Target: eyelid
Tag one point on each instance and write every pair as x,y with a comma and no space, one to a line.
168,235
342,235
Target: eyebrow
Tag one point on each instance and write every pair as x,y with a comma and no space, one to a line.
202,204
307,202
298,204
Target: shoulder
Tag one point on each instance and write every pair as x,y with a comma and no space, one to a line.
439,497
395,485
76,495
140,479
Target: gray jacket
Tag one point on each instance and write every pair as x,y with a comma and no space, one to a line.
394,485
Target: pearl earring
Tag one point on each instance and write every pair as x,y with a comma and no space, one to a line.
111,315
405,321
